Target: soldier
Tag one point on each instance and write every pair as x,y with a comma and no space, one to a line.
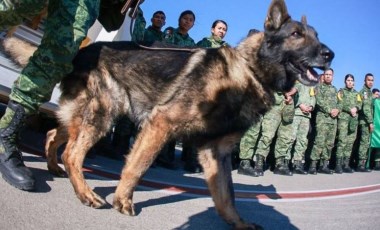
152,33
327,111
218,31
247,148
277,119
180,36
350,103
365,122
304,103
66,27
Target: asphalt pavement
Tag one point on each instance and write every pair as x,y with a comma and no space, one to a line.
174,199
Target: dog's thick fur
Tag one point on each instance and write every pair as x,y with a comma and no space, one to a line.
209,95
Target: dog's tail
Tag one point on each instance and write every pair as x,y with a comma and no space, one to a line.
19,50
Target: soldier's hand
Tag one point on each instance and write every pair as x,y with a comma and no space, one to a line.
371,128
354,112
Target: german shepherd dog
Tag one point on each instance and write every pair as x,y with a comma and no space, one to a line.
208,95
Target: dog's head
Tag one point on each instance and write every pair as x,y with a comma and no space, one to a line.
291,49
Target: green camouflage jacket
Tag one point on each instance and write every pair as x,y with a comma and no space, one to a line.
151,35
211,42
326,99
172,36
305,95
347,99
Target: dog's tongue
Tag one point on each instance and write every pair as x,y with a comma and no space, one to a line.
312,74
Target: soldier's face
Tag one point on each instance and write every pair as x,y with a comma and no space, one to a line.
350,83
219,30
158,20
368,81
328,76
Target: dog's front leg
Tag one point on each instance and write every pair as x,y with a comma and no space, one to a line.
149,141
215,159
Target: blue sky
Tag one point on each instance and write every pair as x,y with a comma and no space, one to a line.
349,27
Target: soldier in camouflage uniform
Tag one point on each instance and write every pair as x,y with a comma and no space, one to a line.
247,148
277,120
180,36
218,31
327,111
305,104
66,27
365,122
350,103
153,32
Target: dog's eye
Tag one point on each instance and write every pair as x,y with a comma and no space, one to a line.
296,34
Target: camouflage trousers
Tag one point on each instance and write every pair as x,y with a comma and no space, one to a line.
272,123
365,136
66,26
301,126
324,139
249,140
346,139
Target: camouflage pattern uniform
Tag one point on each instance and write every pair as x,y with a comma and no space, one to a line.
66,27
301,122
212,42
365,119
249,140
172,36
347,127
64,32
326,126
151,35
273,121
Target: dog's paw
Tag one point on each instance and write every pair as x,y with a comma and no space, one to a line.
91,199
124,206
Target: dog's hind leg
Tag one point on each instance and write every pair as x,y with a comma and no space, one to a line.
54,139
151,138
80,139
215,159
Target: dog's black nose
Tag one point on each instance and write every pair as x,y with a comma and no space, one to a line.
327,53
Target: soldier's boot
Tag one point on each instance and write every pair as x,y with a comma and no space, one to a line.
377,166
259,165
346,166
313,168
338,166
299,168
361,167
282,167
12,166
325,167
245,168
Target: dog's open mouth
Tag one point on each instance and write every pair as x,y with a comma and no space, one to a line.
306,74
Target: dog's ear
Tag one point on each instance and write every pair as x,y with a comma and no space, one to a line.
303,20
277,15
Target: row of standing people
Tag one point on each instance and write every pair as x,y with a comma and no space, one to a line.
342,113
